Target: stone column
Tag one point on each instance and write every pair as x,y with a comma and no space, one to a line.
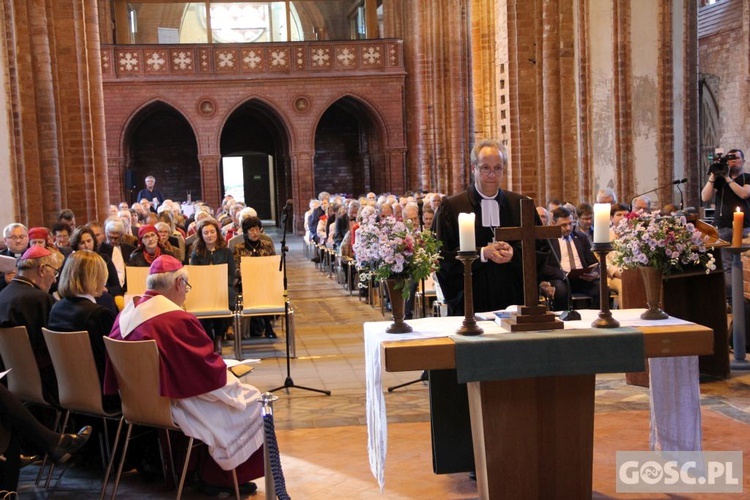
211,188
303,182
54,96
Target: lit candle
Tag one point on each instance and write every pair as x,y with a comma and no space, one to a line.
737,224
466,232
601,222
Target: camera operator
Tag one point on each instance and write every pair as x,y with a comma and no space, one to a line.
731,188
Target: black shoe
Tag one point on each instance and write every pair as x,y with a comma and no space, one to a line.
473,476
270,334
69,444
209,489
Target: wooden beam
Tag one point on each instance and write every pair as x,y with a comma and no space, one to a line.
440,353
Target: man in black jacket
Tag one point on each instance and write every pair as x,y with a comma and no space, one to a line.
498,273
571,251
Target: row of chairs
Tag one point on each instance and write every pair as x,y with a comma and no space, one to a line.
136,366
331,263
262,293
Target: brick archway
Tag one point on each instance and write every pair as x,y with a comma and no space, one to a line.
256,129
350,149
160,141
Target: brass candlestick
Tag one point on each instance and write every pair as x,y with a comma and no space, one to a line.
469,326
605,319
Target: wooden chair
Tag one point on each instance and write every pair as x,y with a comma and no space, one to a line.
427,294
135,277
263,290
24,379
136,367
210,297
79,388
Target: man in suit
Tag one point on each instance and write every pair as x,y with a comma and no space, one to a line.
498,273
571,251
26,301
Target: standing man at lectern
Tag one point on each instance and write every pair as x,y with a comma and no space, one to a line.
497,283
498,273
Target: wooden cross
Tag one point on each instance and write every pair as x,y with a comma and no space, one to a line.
527,234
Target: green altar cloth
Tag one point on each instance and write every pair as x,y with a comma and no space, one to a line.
546,354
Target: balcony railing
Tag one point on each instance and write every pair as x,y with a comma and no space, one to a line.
252,61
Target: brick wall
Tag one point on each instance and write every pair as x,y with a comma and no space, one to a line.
723,53
282,117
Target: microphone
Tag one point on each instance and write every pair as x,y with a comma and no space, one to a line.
289,207
675,182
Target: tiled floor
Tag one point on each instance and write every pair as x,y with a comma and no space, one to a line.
323,438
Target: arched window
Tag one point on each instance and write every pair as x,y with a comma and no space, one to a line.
236,21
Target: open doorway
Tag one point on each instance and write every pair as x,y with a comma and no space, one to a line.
249,178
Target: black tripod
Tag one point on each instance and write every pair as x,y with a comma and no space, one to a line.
288,382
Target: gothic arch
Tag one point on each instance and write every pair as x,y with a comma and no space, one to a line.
351,143
159,140
257,131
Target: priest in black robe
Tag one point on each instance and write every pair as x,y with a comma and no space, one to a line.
497,283
498,273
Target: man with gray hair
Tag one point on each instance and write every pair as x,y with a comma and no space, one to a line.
606,195
118,250
154,196
194,377
16,238
26,301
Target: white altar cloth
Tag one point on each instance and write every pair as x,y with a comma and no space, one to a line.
663,415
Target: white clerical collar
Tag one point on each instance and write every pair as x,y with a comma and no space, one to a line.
87,296
484,195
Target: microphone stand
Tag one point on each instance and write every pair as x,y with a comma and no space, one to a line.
682,199
673,183
288,382
570,314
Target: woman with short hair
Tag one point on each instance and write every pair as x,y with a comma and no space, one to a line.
81,281
84,238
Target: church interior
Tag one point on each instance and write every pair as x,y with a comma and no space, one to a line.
275,102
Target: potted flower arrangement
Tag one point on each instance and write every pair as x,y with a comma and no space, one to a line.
395,252
657,246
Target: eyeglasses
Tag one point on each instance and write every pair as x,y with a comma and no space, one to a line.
54,270
17,238
486,170
188,287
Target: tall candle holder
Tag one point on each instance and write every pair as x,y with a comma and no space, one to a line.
469,326
605,319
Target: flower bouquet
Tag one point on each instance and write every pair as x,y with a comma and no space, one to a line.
392,249
668,243
658,246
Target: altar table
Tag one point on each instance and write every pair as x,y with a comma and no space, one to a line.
533,437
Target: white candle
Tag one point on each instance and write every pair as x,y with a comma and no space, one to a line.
466,232
601,222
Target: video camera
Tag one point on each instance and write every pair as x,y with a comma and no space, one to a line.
720,163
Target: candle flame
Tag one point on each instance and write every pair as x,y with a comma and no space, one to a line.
738,210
